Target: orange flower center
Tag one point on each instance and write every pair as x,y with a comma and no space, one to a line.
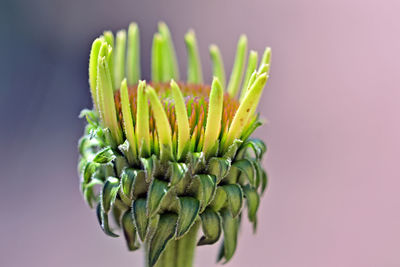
196,99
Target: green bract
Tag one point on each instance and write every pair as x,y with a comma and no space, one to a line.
166,158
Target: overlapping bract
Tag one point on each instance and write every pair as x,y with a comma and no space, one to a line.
168,157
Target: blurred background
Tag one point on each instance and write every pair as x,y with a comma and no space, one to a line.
332,104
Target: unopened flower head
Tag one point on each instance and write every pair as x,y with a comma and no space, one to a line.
170,157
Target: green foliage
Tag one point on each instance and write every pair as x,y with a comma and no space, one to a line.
200,186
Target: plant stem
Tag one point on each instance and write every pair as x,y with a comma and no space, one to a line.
180,253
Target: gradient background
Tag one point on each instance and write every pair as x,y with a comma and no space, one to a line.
332,104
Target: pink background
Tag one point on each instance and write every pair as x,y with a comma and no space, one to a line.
333,133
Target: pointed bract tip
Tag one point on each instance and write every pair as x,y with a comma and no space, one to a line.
124,83
172,83
238,66
213,125
121,33
266,58
213,47
141,84
190,35
162,24
264,68
216,84
109,37
243,38
132,25
163,126
262,77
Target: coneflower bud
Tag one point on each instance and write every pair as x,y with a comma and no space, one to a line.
171,157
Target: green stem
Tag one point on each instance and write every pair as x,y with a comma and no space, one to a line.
180,253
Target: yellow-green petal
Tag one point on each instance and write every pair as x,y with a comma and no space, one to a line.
195,74
172,70
102,54
107,96
156,58
127,118
142,121
119,58
218,64
238,67
108,37
94,53
264,68
105,52
244,111
266,58
213,125
162,124
251,67
182,120
133,55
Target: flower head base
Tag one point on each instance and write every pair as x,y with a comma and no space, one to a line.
169,155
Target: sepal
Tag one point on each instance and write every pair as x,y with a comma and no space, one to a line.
264,181
88,193
88,171
247,169
232,149
219,167
204,187
250,129
152,227
157,191
258,147
129,231
120,164
235,198
230,227
176,172
197,162
91,117
128,179
211,223
252,201
151,166
103,221
188,210
105,155
219,200
164,232
109,193
140,217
